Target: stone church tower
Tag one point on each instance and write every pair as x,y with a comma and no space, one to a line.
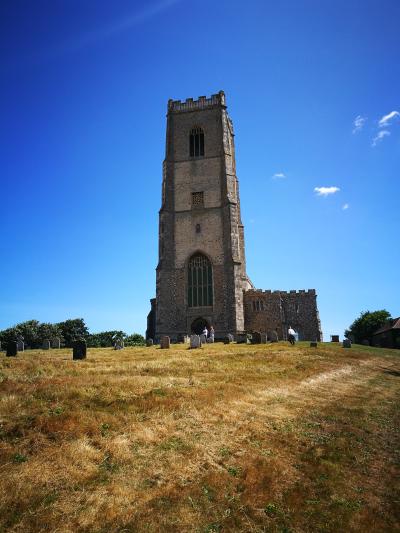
201,272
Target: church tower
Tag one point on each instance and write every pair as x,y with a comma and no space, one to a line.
201,272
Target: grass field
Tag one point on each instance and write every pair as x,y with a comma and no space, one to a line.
227,438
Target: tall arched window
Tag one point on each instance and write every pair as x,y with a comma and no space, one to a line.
196,142
200,291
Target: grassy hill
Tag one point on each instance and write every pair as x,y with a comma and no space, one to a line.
227,438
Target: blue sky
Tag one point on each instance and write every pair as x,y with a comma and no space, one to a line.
313,91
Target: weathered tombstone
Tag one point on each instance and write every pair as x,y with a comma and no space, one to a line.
20,346
46,344
242,338
273,336
55,343
334,338
195,341
365,342
346,343
149,342
263,338
210,340
79,350
165,342
118,344
11,349
256,337
313,344
186,339
227,340
203,338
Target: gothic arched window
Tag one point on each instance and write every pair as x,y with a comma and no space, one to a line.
200,291
196,142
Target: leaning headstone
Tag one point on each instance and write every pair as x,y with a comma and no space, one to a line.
79,350
46,344
165,342
273,336
55,343
313,344
256,337
149,342
346,343
119,344
365,342
195,341
203,338
11,349
20,346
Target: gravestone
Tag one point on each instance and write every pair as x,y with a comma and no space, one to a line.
118,344
55,343
20,346
165,342
186,339
149,342
227,340
46,344
203,339
256,337
273,336
210,340
334,338
195,341
346,343
231,337
313,344
263,338
11,349
79,350
242,338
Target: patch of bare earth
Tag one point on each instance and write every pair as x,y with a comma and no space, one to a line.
227,438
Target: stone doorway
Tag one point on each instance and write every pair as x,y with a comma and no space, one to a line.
198,325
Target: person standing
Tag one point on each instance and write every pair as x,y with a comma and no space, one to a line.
291,335
212,333
205,332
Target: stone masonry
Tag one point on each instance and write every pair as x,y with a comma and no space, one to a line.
200,224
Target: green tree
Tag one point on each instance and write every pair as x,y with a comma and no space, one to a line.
366,324
49,331
104,338
135,340
72,330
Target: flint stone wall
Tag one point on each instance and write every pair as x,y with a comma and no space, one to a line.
274,311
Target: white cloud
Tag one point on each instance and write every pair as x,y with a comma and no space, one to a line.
385,120
358,123
381,135
278,176
326,191
345,206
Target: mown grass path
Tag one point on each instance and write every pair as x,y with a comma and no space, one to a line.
227,438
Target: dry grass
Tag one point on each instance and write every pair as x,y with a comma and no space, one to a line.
227,438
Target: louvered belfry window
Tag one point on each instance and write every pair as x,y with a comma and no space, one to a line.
200,291
196,142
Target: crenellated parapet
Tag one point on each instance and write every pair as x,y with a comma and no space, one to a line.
177,106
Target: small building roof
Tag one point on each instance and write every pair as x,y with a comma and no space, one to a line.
394,323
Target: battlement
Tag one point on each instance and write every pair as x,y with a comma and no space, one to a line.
258,292
192,105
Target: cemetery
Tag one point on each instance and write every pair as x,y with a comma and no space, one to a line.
229,436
